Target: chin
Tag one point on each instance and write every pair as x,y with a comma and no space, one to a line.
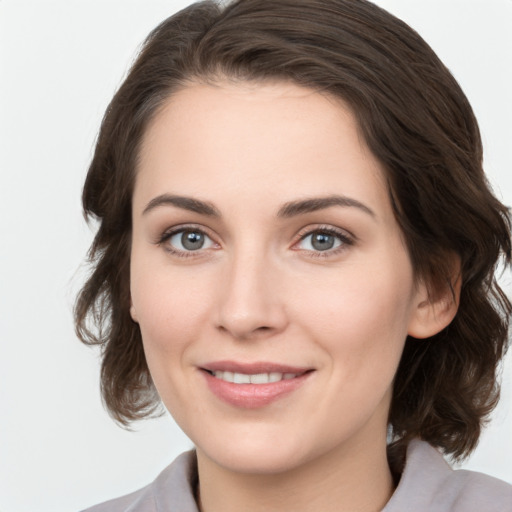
256,463
252,456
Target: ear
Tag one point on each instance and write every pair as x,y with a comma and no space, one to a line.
435,310
133,313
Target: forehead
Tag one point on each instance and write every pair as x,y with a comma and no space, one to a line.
239,136
246,107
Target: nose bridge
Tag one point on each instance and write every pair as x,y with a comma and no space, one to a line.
250,303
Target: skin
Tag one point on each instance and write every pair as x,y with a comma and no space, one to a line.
259,290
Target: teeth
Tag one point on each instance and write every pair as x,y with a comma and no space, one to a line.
275,377
257,378
228,376
240,378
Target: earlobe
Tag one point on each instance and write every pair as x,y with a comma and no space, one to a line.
133,314
433,314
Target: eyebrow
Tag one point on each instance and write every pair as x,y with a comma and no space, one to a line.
320,203
290,209
186,203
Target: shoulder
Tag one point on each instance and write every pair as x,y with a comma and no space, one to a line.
139,500
428,483
472,491
172,491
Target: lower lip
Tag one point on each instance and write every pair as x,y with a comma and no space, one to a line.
252,396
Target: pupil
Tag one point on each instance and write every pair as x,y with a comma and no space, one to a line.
322,241
192,240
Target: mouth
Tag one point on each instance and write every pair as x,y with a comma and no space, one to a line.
255,378
255,385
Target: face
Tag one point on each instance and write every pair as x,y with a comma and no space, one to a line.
269,277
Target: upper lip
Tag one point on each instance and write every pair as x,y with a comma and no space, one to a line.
253,368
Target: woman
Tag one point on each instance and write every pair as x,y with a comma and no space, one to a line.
296,254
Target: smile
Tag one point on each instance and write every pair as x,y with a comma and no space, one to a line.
255,378
252,386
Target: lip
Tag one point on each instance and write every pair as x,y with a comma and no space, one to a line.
250,368
253,396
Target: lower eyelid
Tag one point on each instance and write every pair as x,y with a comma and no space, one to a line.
166,236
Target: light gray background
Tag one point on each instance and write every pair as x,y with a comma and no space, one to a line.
60,63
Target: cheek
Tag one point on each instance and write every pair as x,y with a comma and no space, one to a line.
170,313
361,317
169,308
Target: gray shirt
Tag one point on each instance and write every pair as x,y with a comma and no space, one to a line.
427,484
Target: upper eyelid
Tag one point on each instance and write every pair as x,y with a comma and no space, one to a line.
170,232
329,228
301,232
173,230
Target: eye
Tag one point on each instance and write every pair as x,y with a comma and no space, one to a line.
324,240
186,240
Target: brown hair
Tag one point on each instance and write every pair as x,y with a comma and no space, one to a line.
416,121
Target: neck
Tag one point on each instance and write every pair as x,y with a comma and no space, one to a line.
355,479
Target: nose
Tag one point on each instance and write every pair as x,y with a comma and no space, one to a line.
251,298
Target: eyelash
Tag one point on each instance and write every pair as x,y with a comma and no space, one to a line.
167,235
345,238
